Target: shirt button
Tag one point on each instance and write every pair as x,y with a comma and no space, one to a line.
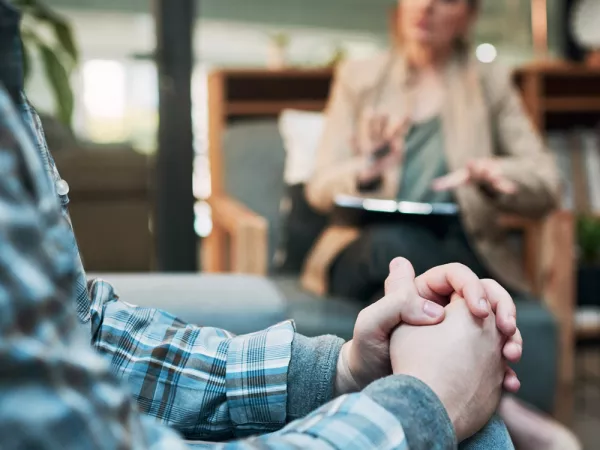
62,187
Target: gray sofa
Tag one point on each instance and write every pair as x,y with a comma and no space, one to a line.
244,304
240,304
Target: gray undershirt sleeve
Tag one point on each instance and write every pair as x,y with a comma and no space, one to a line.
311,380
423,417
311,374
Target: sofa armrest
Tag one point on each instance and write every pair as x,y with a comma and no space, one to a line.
238,303
239,240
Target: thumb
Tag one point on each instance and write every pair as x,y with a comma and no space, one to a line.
402,302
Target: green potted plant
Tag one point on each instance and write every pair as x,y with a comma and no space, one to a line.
48,36
588,273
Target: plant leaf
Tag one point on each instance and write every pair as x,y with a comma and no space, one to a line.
588,237
25,3
64,35
60,26
26,60
59,82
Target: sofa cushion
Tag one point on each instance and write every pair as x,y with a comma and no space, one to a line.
237,303
301,132
253,158
314,315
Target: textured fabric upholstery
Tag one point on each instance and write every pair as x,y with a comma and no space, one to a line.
254,158
237,303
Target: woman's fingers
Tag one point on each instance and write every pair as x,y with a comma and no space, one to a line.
478,171
505,186
452,181
488,171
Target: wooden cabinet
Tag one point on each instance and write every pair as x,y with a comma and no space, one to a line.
560,95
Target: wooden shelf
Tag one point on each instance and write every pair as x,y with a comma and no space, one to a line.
560,68
571,104
259,108
278,74
560,95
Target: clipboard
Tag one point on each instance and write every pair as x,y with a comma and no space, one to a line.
396,207
360,211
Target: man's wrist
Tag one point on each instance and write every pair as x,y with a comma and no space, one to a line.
345,382
313,368
418,408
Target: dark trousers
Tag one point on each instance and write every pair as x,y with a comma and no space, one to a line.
361,269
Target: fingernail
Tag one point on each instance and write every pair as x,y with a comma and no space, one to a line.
433,309
483,305
512,322
398,263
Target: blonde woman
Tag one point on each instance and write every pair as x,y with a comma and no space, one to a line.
456,132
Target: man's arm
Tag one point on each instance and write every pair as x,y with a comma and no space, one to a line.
398,412
55,392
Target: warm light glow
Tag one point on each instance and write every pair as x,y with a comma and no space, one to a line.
486,53
104,84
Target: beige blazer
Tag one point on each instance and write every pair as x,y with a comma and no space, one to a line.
482,116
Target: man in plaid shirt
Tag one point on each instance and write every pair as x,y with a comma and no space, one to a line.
205,383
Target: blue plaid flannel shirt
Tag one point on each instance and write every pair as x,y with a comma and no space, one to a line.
56,392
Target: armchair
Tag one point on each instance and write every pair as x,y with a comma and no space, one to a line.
247,168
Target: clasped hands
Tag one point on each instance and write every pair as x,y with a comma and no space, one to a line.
447,328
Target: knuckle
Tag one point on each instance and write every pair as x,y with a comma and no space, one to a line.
457,267
392,285
493,285
387,285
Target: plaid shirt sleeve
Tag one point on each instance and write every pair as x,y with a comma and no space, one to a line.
202,381
351,422
56,392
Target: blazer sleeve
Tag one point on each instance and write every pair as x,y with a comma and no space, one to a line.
337,167
523,155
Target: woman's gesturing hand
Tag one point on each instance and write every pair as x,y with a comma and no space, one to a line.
485,172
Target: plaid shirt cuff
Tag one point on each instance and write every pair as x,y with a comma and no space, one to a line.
256,379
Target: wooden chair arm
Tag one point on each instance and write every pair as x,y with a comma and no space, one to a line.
239,240
232,215
557,270
549,252
513,222
531,231
548,245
